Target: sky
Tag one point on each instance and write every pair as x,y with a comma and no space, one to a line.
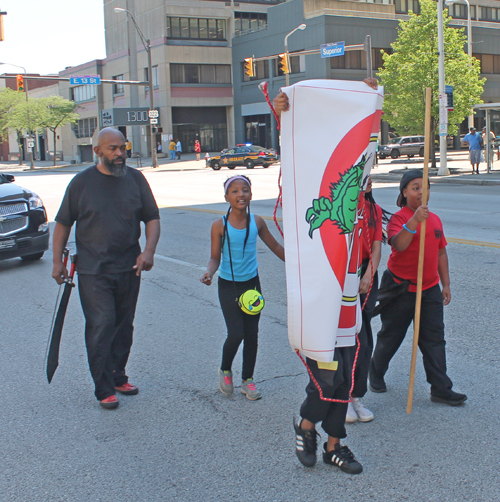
46,36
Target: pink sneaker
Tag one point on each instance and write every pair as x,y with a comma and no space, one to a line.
226,382
128,389
110,402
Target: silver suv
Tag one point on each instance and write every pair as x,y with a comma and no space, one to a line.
406,145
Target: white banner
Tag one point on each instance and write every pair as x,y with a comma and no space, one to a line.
328,141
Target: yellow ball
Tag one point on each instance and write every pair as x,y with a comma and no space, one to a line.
251,302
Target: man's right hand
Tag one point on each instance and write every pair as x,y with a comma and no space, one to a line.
60,273
281,103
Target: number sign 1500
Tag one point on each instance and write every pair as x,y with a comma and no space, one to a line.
138,116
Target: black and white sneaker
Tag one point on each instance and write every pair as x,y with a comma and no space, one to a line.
343,458
307,443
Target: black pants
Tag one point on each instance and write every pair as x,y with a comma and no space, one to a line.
365,338
334,385
241,327
108,303
396,318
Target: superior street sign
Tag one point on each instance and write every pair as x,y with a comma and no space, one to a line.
84,79
332,50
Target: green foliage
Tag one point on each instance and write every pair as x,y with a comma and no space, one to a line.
60,112
413,66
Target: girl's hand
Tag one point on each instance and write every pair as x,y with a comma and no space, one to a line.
364,284
372,82
421,214
281,103
446,295
206,278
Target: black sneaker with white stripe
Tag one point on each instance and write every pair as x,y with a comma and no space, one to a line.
343,458
307,444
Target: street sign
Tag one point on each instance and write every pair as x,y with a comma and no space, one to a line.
153,121
332,50
84,79
153,114
449,96
31,143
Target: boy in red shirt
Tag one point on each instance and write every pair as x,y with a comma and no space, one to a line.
403,233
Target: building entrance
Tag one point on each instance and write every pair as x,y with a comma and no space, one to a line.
258,130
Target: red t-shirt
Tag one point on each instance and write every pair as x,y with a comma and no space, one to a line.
404,264
374,228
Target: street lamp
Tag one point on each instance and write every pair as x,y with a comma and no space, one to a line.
32,163
443,123
301,27
469,40
147,45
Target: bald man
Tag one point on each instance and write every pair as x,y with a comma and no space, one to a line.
108,201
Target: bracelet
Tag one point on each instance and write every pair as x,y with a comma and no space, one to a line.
408,230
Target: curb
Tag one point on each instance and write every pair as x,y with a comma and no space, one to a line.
437,179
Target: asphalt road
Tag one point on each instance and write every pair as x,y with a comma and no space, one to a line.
180,439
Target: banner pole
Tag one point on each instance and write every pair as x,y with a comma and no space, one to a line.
425,196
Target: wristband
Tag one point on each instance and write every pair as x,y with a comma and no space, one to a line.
408,230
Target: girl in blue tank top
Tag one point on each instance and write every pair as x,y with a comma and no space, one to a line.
234,242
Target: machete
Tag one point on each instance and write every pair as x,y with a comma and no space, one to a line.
57,326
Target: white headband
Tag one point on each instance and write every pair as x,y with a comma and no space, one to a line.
233,178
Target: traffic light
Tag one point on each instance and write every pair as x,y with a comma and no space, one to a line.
249,67
20,83
284,63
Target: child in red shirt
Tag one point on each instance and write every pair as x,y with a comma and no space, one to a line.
403,233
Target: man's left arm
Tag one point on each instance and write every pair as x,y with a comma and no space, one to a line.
145,260
444,275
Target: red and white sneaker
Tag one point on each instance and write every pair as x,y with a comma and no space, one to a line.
110,403
128,389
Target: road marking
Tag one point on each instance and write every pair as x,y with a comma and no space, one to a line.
270,218
179,262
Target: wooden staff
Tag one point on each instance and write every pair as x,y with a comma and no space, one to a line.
425,197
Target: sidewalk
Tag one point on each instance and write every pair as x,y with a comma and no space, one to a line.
388,170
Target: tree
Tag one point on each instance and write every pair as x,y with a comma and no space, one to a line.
9,100
413,66
59,112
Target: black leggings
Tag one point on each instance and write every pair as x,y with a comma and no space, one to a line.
241,327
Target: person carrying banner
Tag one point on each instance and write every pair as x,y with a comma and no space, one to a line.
397,292
373,241
108,201
334,380
234,248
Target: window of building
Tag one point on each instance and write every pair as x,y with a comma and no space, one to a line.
261,71
85,128
404,6
356,60
156,82
294,66
200,74
83,93
192,28
489,14
118,88
249,21
490,63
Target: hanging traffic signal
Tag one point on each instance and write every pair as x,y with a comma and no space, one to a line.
249,67
20,83
284,62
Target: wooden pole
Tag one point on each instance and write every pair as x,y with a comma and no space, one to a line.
425,197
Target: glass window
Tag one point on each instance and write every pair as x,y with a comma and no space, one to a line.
203,24
191,74
496,64
212,28
85,128
177,73
207,73
193,28
487,63
184,27
223,74
83,93
221,29
353,60
118,88
174,25
199,74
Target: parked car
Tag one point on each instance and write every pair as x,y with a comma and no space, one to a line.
24,230
243,155
405,145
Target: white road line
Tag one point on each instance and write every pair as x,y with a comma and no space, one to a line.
180,262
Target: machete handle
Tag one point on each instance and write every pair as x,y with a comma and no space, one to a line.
65,256
72,270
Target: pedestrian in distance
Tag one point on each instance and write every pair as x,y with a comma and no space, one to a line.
171,147
108,201
178,149
372,238
398,287
335,384
234,249
197,149
473,139
128,146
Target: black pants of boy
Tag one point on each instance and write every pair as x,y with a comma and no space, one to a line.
241,327
334,385
396,318
108,303
365,339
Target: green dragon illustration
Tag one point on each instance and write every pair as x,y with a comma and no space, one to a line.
341,207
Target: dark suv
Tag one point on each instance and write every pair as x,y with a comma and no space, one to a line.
406,145
24,231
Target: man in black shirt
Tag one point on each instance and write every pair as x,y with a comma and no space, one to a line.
108,201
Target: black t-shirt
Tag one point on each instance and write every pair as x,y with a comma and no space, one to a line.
108,211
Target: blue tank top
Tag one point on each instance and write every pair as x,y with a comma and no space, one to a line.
244,265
